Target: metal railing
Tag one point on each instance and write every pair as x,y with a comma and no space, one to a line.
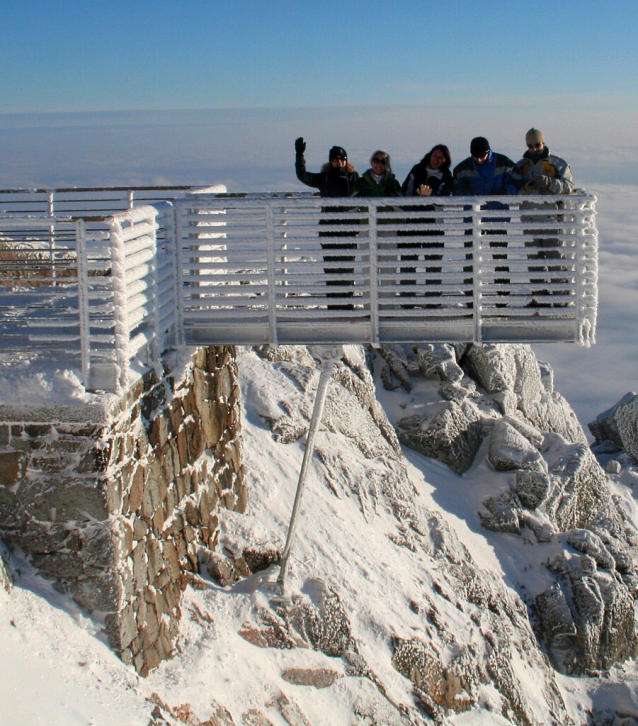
97,299
222,269
310,270
84,201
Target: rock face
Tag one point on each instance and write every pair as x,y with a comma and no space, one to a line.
5,578
558,492
619,426
113,508
472,631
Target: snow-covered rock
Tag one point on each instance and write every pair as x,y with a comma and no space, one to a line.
452,435
619,425
453,634
585,613
5,578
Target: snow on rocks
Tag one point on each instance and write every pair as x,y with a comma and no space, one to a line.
452,435
5,578
619,426
397,579
509,449
559,494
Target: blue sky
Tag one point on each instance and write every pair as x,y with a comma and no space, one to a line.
207,91
137,54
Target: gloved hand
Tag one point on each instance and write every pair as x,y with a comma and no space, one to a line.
546,184
300,146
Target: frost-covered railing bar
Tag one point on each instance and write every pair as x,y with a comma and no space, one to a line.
387,270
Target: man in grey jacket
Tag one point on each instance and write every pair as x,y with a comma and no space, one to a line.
541,172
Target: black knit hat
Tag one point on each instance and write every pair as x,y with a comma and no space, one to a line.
337,152
479,146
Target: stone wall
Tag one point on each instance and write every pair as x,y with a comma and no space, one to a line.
112,501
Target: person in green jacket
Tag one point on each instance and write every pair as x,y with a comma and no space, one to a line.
378,181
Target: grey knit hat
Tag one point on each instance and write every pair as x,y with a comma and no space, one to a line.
534,136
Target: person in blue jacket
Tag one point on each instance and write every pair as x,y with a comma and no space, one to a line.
486,173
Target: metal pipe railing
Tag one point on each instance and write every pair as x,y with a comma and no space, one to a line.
219,269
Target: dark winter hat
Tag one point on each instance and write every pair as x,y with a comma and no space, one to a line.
337,152
479,146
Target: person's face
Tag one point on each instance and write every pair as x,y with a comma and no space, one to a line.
536,148
339,162
437,159
481,159
378,165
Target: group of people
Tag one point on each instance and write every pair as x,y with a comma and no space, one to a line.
484,173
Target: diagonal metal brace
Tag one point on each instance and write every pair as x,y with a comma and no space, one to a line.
327,357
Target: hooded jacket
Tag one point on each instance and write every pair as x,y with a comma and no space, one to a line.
543,164
330,181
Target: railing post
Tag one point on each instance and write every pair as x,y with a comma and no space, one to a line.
120,313
51,212
477,276
272,287
178,274
83,300
157,334
374,277
586,257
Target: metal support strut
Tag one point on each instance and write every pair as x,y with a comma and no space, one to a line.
327,356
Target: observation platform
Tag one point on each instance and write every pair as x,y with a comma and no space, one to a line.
209,269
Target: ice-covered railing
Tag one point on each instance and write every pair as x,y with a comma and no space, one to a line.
221,269
265,270
100,297
84,201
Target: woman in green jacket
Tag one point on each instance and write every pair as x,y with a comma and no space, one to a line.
378,181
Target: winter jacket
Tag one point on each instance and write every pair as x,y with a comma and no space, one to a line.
330,182
419,175
493,177
366,186
533,165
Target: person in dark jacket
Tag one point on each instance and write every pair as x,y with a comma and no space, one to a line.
486,173
431,177
337,178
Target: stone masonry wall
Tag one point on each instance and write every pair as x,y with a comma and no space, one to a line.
112,503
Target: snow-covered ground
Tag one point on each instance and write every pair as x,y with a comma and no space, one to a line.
55,667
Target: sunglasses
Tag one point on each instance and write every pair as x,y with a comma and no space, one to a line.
378,161
339,158
534,146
